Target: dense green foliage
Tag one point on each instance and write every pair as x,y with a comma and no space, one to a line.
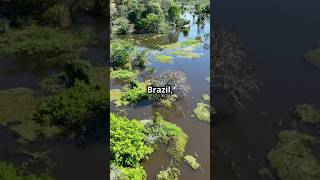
307,114
135,173
41,41
171,173
78,69
168,133
122,53
136,92
57,16
9,172
127,141
73,109
145,16
292,158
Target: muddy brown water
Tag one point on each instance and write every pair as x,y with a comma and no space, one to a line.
199,132
73,161
277,35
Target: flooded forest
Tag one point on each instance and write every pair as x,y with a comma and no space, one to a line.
160,43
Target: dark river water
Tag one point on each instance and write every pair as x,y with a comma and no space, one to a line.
277,34
72,161
199,132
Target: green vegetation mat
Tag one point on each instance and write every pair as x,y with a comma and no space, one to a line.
293,159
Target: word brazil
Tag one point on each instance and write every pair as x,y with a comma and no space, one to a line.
159,90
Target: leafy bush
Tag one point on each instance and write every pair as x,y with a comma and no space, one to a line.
307,114
168,133
171,173
132,173
121,53
121,26
136,93
141,59
174,12
152,23
57,16
70,110
127,141
78,69
9,172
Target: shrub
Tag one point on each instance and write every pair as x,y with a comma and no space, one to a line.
141,59
127,141
57,16
307,114
171,173
170,134
136,93
121,53
70,110
121,26
152,23
78,69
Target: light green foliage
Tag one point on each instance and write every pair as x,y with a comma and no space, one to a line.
136,173
293,159
307,114
168,100
184,44
206,97
313,57
16,105
202,112
41,41
122,53
136,92
9,172
142,59
116,97
191,42
186,54
127,141
192,161
170,134
57,16
164,58
124,75
171,173
127,173
121,26
78,70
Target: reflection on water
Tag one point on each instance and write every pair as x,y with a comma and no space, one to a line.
277,35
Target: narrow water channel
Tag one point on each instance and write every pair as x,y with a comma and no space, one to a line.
197,70
277,34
